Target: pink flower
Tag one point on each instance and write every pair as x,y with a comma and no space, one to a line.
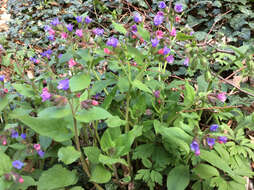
21,180
159,34
5,90
173,32
178,19
4,142
51,32
107,51
79,32
161,51
37,147
45,94
95,103
72,63
64,35
222,96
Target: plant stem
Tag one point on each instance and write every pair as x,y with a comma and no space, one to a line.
83,162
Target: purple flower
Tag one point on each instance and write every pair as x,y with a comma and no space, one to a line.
14,134
162,5
214,127
88,20
156,94
79,33
222,139
222,96
186,62
45,94
47,28
2,78
158,19
155,42
178,8
49,52
137,18
40,153
98,31
51,38
166,50
1,47
79,19
195,147
55,22
17,164
210,142
170,59
69,27
60,55
23,136
112,42
134,28
63,84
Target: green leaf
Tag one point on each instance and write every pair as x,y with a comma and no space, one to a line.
136,54
146,162
213,158
55,112
110,161
108,100
182,37
178,178
189,95
77,188
56,177
92,152
95,113
119,27
141,86
143,33
156,177
5,164
205,171
84,96
115,121
79,82
25,90
68,154
123,84
54,128
3,102
100,174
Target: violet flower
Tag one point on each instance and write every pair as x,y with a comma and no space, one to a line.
178,8
155,42
17,164
69,27
137,18
170,59
88,20
112,42
162,5
63,84
2,78
45,94
214,127
210,142
195,147
222,139
222,96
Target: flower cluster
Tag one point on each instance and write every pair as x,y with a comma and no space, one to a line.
209,140
45,94
15,135
37,147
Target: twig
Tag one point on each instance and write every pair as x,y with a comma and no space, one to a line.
228,77
231,83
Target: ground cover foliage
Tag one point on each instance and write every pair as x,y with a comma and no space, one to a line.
127,95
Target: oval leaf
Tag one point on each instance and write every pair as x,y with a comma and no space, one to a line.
178,178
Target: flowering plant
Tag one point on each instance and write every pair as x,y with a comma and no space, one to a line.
113,109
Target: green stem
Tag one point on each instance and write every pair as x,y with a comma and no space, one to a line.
83,162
